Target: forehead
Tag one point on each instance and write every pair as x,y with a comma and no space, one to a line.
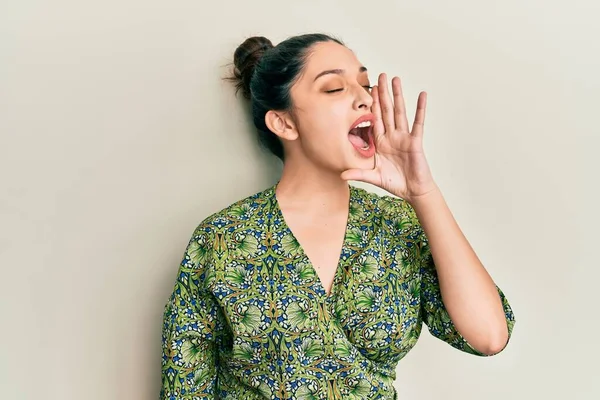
328,56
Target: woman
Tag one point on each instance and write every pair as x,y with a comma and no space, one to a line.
312,288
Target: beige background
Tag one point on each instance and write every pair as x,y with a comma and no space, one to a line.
118,137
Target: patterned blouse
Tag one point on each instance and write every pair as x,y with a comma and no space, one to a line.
249,318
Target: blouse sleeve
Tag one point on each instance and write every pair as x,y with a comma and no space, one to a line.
433,311
401,222
191,325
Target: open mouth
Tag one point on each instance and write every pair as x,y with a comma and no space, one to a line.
361,137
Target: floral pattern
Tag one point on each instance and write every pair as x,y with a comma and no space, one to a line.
249,319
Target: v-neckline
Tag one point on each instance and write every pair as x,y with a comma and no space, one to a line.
339,267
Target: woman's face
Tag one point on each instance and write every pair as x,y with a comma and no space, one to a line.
330,97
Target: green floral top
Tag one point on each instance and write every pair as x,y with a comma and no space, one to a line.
249,318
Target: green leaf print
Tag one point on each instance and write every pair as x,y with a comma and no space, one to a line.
304,270
387,205
298,315
360,391
236,275
366,300
445,317
401,224
202,375
342,348
355,211
414,288
239,210
401,260
265,390
306,393
243,351
433,322
353,237
368,267
209,277
311,348
197,252
247,246
380,335
249,319
341,311
290,245
192,351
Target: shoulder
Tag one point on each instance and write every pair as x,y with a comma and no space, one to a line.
236,216
388,209
395,218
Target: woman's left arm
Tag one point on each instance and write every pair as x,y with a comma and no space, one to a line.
468,292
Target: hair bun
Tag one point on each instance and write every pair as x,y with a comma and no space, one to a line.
245,59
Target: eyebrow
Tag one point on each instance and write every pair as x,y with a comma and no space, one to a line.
338,72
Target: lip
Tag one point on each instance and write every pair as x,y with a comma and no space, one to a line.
363,118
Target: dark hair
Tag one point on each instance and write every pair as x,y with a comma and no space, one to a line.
265,74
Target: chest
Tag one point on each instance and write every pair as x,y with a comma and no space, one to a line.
320,240
374,311
373,281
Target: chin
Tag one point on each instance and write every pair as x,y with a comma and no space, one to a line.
361,162
366,163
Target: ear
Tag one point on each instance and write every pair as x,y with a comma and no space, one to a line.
282,124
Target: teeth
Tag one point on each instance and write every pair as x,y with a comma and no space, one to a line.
363,124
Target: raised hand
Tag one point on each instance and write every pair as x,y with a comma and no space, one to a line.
400,164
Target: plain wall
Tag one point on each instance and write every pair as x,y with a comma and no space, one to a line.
118,136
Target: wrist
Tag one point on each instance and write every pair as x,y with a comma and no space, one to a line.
428,196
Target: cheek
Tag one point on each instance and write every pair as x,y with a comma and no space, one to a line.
327,124
323,125
326,136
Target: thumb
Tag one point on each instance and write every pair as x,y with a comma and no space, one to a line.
363,175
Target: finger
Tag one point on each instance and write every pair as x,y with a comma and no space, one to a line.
399,106
417,128
387,108
378,128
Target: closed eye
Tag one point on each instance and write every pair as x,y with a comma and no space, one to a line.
367,88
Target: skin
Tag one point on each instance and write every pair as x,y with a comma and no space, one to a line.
313,191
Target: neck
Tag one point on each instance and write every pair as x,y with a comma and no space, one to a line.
308,187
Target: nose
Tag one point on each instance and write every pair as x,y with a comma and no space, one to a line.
362,98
